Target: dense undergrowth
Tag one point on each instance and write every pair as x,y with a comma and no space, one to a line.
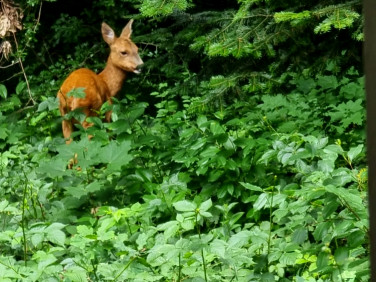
231,163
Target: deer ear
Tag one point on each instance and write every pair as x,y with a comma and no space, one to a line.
108,33
127,30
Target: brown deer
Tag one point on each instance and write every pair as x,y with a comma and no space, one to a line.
99,88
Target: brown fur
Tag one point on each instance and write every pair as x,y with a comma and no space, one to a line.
99,88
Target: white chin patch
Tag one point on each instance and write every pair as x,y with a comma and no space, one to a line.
136,71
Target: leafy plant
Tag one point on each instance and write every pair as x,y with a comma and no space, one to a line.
238,154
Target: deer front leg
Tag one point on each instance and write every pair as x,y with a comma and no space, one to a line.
88,113
67,130
108,116
109,113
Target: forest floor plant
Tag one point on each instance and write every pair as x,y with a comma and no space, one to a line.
238,155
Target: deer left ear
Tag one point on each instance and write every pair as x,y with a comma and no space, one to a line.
107,33
127,30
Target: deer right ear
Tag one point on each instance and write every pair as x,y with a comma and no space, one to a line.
107,33
127,30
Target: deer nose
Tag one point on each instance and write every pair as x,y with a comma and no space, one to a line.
138,68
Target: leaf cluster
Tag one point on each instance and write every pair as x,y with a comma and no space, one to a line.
238,154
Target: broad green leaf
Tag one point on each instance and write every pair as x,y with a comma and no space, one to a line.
173,183
198,144
229,144
51,103
54,168
55,225
76,191
75,274
92,187
289,258
284,157
106,224
305,85
235,217
326,165
210,152
322,229
188,224
185,206
205,205
216,128
201,122
136,111
4,133
172,230
334,149
37,238
251,187
354,152
141,240
156,254
20,87
218,247
352,199
166,225
83,230
267,277
339,178
261,201
205,214
56,236
105,235
78,92
330,208
343,228
239,239
3,91
352,90
281,213
322,260
3,205
115,155
44,259
299,236
327,82
36,119
214,175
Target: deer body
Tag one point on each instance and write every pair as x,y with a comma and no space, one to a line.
99,88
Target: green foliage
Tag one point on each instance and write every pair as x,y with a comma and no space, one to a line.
338,16
152,8
238,154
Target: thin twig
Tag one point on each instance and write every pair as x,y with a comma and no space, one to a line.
8,66
39,14
9,78
24,73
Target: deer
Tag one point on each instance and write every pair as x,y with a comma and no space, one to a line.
99,88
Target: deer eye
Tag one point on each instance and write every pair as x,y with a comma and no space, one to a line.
124,53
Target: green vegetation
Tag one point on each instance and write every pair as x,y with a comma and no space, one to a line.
237,155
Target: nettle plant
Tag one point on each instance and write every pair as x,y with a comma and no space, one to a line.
223,175
205,197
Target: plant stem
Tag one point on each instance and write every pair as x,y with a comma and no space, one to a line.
24,73
125,268
202,250
179,273
270,219
23,219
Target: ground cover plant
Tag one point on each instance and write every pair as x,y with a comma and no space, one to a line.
237,155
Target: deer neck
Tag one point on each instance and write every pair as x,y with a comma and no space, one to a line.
113,77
